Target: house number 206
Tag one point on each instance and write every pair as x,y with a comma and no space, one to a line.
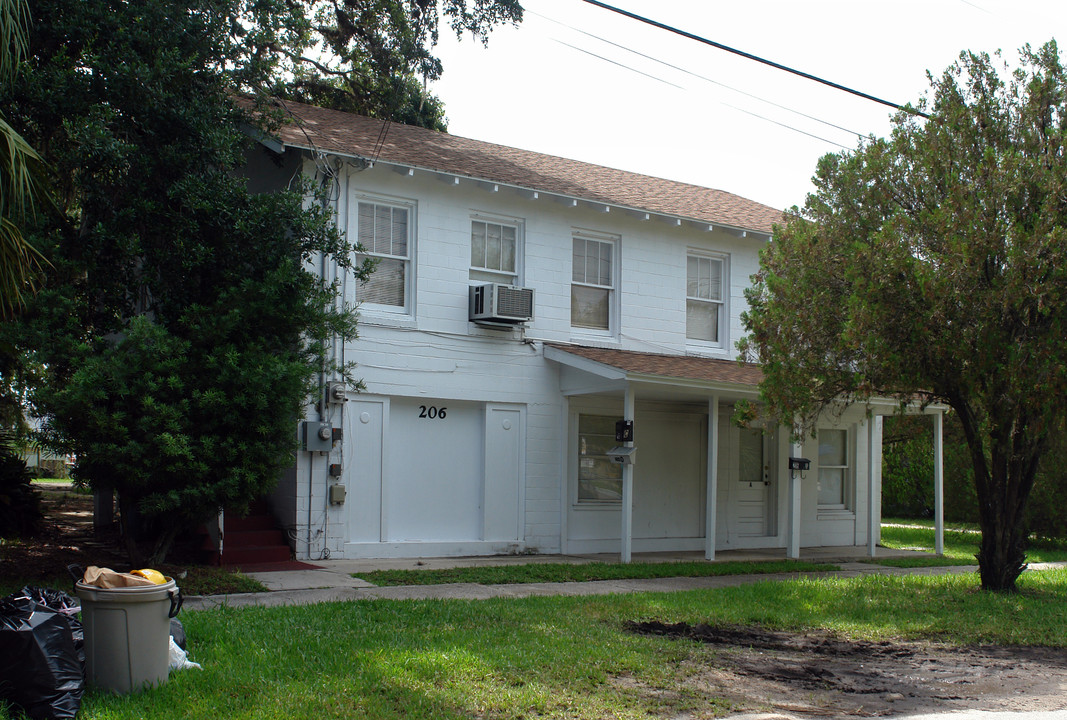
432,412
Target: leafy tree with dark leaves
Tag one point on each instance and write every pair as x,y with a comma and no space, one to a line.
375,56
932,266
180,333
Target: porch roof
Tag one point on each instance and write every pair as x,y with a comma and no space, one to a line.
631,365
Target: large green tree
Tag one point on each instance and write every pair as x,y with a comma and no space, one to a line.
180,333
372,56
932,266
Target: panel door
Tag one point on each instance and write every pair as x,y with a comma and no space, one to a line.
434,487
754,487
363,470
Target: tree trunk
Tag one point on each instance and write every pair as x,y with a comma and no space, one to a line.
1003,479
128,527
1002,555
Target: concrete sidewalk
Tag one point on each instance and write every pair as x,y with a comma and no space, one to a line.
332,580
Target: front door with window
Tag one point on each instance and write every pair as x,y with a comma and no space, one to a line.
748,488
754,487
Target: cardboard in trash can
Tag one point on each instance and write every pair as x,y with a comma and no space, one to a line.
127,634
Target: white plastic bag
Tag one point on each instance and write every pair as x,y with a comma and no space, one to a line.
179,659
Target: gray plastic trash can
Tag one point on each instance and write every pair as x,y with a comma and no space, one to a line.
127,634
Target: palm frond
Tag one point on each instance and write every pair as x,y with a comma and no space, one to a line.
14,19
22,191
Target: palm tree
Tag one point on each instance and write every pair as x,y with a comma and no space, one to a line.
22,175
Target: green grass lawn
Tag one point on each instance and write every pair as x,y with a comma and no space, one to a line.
583,572
961,545
54,481
558,657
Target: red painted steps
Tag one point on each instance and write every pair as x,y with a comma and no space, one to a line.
254,539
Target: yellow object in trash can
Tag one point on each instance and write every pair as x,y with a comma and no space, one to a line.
149,574
127,634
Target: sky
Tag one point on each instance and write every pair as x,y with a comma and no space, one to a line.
577,81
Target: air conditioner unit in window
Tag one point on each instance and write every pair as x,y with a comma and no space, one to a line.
496,303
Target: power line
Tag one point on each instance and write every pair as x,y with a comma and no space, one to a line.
693,74
616,62
732,107
750,56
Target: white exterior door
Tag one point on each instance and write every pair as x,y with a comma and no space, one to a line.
363,470
755,484
436,461
748,488
505,457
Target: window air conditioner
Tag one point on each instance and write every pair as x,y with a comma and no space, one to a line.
496,303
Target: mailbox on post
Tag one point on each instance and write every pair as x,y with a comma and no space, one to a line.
622,455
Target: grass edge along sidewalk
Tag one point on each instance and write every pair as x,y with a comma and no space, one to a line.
583,572
551,656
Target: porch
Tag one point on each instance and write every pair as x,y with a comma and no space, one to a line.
744,494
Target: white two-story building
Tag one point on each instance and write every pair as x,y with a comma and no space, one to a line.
523,305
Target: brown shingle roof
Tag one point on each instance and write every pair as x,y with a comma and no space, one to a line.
670,366
346,133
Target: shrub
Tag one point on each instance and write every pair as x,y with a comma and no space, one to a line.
20,504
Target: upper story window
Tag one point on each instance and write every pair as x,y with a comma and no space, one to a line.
495,252
705,307
833,469
593,282
385,232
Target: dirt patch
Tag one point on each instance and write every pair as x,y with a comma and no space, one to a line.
66,537
816,673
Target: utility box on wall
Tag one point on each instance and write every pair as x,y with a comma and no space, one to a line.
337,494
317,437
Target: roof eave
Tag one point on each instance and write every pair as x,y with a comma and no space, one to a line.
535,193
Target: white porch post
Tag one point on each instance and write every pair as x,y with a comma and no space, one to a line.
939,487
627,484
872,529
711,504
793,544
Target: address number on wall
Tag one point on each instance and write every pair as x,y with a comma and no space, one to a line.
432,412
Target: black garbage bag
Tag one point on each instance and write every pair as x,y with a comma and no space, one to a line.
42,667
177,631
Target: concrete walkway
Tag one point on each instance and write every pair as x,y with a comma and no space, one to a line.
332,580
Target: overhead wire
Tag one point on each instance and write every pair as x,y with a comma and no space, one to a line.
616,62
733,107
693,74
755,58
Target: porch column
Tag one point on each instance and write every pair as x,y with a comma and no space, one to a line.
627,483
711,503
793,543
939,486
871,525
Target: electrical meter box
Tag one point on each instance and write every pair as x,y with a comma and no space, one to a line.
317,437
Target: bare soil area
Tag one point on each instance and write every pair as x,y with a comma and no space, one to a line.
821,675
66,537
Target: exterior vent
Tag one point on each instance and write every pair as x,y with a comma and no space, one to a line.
496,303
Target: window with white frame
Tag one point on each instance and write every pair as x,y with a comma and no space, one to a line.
705,309
599,477
592,282
384,231
833,469
494,251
